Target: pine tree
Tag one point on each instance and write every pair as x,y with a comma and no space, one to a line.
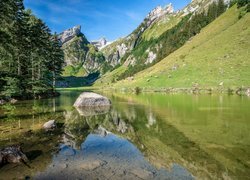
30,59
242,3
221,7
56,60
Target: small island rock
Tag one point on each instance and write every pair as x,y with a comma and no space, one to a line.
88,99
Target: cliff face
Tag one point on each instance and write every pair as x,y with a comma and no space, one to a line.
69,34
101,43
116,51
158,21
79,52
135,49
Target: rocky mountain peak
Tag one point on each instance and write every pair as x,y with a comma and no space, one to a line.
160,11
68,34
199,6
101,43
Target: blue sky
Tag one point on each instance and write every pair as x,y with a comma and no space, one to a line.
99,18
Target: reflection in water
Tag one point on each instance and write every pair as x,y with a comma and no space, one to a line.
108,157
144,136
92,111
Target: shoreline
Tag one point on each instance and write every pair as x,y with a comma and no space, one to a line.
242,91
13,100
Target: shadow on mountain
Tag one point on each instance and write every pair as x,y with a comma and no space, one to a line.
73,81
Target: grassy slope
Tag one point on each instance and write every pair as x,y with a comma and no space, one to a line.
69,71
112,47
220,53
161,26
107,78
154,31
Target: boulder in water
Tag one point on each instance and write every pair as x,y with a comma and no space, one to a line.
89,99
49,125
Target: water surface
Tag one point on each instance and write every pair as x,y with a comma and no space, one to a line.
145,136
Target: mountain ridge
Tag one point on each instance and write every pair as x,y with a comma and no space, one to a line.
223,66
144,48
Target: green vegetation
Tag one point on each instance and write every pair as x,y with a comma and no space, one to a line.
216,57
30,56
76,50
78,81
81,57
182,126
161,26
70,70
173,38
110,77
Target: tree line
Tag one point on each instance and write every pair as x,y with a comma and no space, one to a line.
31,58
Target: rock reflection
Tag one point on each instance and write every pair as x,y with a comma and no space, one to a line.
106,157
161,143
92,111
82,121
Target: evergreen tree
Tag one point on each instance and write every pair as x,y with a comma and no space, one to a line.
221,7
30,58
242,3
56,60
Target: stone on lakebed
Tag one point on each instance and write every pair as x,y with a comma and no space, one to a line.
89,99
49,125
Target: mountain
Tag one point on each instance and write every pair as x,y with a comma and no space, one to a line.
164,32
216,58
81,57
136,48
101,43
158,21
118,49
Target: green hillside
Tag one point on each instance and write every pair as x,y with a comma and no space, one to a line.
217,56
110,77
161,26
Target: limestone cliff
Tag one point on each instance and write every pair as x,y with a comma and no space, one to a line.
158,21
118,51
79,53
101,43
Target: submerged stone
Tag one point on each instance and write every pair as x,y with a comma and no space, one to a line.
12,154
92,165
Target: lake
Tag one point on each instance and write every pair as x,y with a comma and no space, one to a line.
145,136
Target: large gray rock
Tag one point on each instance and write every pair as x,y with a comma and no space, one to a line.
88,99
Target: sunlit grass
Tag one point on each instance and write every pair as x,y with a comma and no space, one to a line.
219,54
